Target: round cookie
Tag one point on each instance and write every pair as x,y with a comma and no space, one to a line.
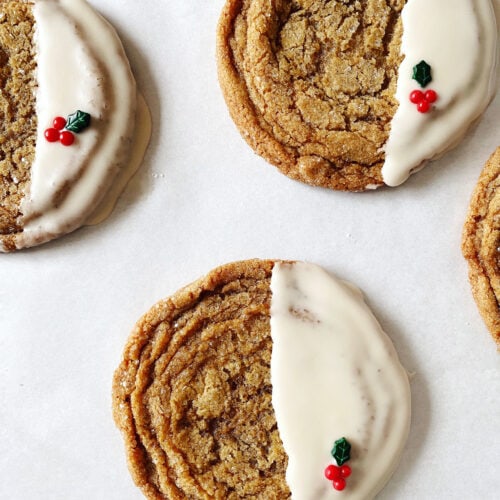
69,110
481,244
203,398
321,89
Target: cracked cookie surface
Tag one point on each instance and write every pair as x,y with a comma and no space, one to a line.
310,84
192,395
46,188
18,119
481,244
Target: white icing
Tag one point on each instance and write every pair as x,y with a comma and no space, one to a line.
335,374
458,38
81,65
140,142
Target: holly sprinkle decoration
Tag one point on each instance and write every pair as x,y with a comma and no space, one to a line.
62,129
52,134
423,100
66,138
78,121
341,451
422,73
59,122
337,474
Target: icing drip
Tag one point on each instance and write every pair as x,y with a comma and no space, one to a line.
81,65
140,142
334,373
458,38
60,92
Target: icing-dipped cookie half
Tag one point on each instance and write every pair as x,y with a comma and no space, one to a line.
481,244
355,95
69,113
225,389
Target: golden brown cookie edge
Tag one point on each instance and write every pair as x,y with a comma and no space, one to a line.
241,111
480,284
122,387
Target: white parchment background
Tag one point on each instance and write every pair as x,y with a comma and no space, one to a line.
202,199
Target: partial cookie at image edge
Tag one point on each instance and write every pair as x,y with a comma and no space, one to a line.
83,129
481,244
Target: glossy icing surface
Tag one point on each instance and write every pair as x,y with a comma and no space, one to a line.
335,374
67,183
458,39
140,143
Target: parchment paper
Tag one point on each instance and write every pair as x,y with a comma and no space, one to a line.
203,198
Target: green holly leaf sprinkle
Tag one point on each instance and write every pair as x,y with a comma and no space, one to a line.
422,73
341,451
78,121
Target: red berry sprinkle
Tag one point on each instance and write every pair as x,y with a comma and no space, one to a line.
423,101
51,134
67,138
345,471
332,472
59,122
417,96
423,106
339,483
431,96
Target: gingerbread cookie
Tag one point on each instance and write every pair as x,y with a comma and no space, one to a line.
481,244
355,95
68,110
226,389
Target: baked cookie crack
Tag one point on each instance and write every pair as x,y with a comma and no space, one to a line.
311,84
